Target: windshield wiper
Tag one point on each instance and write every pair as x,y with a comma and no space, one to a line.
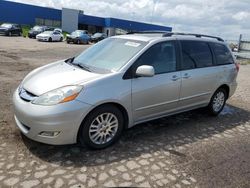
70,60
83,67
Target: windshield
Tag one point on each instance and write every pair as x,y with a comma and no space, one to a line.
6,25
48,32
110,54
37,28
76,33
97,35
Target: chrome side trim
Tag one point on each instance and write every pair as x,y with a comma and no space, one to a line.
155,105
193,96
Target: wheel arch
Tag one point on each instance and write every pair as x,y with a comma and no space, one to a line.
117,105
226,87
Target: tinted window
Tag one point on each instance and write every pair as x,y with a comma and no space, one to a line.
222,54
196,54
161,56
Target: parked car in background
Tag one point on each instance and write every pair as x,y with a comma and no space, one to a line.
98,37
123,81
33,32
58,29
9,29
50,36
78,37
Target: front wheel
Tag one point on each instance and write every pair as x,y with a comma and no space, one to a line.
217,102
50,39
61,39
102,127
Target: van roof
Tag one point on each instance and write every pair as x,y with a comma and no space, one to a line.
150,36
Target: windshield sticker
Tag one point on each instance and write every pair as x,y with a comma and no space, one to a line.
133,44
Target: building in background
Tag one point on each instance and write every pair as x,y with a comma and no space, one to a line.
69,19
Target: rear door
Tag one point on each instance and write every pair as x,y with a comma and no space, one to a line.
157,95
225,64
199,74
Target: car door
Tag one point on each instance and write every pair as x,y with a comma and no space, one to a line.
157,95
199,75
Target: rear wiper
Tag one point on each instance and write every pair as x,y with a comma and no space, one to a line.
83,67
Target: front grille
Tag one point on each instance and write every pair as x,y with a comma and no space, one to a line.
26,95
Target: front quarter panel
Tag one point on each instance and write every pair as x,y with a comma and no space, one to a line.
109,89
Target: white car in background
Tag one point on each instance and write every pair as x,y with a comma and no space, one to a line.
50,36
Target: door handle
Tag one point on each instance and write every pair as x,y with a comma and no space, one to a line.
186,76
175,78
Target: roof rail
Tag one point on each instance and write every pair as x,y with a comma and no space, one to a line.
169,34
147,32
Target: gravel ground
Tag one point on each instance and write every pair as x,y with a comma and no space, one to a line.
187,150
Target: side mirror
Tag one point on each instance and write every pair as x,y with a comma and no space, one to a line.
145,71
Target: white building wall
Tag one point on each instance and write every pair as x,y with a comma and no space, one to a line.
110,31
69,19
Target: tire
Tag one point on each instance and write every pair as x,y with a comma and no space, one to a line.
9,33
217,102
98,127
50,39
67,41
61,39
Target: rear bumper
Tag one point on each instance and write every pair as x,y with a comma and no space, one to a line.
232,89
64,118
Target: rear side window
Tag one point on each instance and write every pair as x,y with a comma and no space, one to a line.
222,54
196,54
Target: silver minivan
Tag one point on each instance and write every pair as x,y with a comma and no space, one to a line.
123,81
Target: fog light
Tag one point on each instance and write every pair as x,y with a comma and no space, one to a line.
49,133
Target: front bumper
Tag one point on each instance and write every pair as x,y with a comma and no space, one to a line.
32,35
3,32
64,118
74,40
42,39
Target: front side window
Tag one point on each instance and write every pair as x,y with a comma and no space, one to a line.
161,56
110,54
222,54
196,54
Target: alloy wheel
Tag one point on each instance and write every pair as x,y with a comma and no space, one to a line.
103,128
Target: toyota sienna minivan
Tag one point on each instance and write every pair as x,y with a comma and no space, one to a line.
123,81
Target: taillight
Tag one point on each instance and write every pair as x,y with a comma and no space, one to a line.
237,65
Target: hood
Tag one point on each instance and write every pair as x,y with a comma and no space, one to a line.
54,76
73,36
34,31
44,35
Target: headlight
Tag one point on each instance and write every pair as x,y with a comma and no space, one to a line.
60,95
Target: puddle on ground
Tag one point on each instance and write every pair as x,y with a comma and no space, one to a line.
227,110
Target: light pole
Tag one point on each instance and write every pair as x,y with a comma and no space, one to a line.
153,11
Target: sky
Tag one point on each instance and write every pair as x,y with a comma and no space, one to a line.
224,18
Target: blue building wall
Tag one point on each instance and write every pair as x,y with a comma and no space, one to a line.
26,14
91,20
132,25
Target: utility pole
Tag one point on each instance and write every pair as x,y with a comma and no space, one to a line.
239,42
